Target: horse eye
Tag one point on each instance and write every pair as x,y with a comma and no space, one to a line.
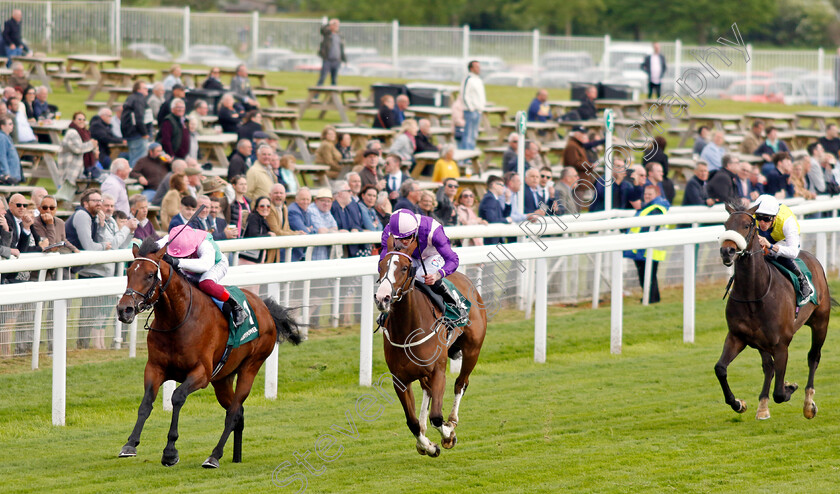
150,275
405,268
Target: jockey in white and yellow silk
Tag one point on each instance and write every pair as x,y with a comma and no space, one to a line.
778,232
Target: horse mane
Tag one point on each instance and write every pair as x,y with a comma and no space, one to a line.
148,246
738,206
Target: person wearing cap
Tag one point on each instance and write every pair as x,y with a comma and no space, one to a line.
178,92
778,234
433,258
370,174
322,219
151,169
194,178
197,255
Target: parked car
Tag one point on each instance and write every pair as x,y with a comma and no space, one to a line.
151,51
356,54
566,61
789,73
760,91
272,58
806,89
211,55
619,52
515,79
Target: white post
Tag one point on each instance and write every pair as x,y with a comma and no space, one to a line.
168,389
820,69
689,265
677,60
617,302
596,280
521,127
535,53
822,249
648,269
186,31
608,159
59,364
132,339
117,27
749,70
271,362
466,46
605,58
307,285
36,324
541,314
255,36
117,324
366,333
48,27
336,305
395,43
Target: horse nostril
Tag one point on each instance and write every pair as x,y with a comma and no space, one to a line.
386,299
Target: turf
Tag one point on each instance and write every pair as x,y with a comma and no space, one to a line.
652,418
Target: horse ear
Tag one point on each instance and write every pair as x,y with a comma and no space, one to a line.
161,251
390,243
753,209
135,250
729,208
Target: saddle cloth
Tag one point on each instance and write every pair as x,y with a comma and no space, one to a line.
449,313
795,280
249,330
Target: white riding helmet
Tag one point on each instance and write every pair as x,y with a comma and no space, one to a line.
767,204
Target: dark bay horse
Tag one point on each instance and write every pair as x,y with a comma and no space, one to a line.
416,345
761,313
188,339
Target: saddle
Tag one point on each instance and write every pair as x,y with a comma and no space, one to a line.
795,280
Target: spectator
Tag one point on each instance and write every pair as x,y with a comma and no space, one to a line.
574,154
757,180
174,133
43,110
327,154
798,180
401,103
655,151
100,129
778,177
458,122
151,170
655,177
653,204
815,176
185,212
240,161
240,86
278,221
171,204
194,177
586,110
23,239
114,184
131,124
367,206
370,174
157,98
752,139
409,196
467,216
50,227
202,220
331,51
394,178
173,78
18,80
427,204
139,205
28,99
261,176
228,114
345,142
262,138
695,188
714,151
700,141
547,183
386,118
178,166
722,186
36,196
446,167
257,226
492,208
240,208
769,147
218,225
23,130
473,98
405,143
11,172
532,156
383,207
830,142
12,37
513,187
445,211
213,81
654,66
510,158
322,220
538,110
300,219
347,215
286,172
424,139
564,200
633,191
200,110
372,145
532,193
354,181
192,128
178,92
75,157
745,186
619,173
250,124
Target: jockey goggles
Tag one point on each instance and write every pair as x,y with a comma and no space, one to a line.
764,217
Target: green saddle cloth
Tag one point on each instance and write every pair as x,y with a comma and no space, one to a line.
451,313
793,278
248,331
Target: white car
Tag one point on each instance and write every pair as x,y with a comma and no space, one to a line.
272,58
211,55
151,51
509,79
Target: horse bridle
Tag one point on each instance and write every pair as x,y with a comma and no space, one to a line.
146,304
749,238
407,285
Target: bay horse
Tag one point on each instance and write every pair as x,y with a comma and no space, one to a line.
188,339
416,344
761,313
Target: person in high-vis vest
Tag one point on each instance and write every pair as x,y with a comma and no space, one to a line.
778,232
652,204
197,254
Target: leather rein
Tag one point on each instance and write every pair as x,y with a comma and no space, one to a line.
748,253
146,303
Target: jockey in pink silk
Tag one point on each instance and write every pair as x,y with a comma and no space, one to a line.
197,254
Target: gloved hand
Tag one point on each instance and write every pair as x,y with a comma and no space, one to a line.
173,261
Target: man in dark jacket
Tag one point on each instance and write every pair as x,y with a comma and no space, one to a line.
174,131
346,212
100,129
695,188
723,187
178,92
331,51
409,196
493,208
240,160
425,139
654,66
12,39
778,177
133,129
213,82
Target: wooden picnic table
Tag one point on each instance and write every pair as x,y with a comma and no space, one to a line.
91,64
434,113
259,75
38,67
312,171
361,135
559,108
430,157
475,183
717,121
683,166
818,118
799,139
8,190
52,128
365,116
535,131
298,142
769,119
120,77
46,154
275,118
675,108
445,132
214,146
334,98
621,107
489,110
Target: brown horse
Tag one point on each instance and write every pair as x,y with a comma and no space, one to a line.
761,313
188,340
416,345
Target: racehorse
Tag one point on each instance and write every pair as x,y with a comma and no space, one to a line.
761,312
416,344
188,339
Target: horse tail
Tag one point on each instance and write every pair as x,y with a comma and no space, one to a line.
287,328
834,303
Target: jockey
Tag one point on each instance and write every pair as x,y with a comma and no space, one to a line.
195,252
778,232
433,259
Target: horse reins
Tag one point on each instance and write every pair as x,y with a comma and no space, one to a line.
406,286
145,304
744,252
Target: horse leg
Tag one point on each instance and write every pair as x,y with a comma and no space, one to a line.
197,379
818,333
782,390
224,395
152,380
423,442
234,418
470,358
731,348
437,387
763,412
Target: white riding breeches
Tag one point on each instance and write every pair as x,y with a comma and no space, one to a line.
433,265
216,273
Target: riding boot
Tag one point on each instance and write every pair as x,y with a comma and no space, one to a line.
232,307
451,299
804,283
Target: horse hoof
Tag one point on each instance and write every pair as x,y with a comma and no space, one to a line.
436,453
421,450
791,387
743,405
762,415
210,463
449,443
128,452
170,462
810,410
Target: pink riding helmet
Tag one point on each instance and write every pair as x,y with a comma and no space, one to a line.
186,243
403,223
